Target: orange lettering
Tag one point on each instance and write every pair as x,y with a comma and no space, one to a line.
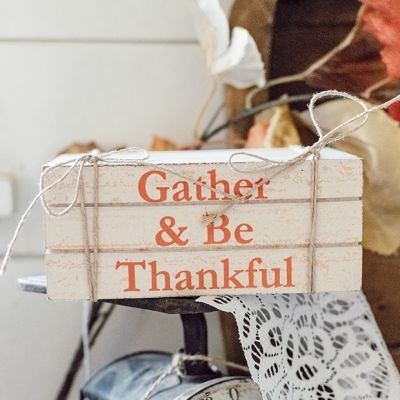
142,187
260,189
231,278
155,274
214,279
184,193
251,270
276,281
211,228
242,184
289,272
243,228
131,273
214,182
186,282
199,191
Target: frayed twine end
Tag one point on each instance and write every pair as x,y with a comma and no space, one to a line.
209,218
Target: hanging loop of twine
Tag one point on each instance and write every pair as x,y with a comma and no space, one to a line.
177,367
313,152
324,139
139,157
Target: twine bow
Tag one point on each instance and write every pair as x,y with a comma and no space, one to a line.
138,156
313,152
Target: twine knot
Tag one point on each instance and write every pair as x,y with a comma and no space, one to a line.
93,157
177,362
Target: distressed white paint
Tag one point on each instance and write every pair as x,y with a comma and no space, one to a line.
336,269
339,176
274,224
172,232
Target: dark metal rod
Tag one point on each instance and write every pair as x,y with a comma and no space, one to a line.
196,342
255,110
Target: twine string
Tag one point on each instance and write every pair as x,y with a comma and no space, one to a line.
177,366
312,244
94,266
86,237
138,157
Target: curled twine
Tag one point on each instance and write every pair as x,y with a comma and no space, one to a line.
139,158
177,367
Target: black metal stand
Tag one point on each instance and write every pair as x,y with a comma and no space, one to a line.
196,342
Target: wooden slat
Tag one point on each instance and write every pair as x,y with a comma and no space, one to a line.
336,269
339,176
169,233
274,224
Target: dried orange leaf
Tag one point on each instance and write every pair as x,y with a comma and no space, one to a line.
256,136
78,147
282,131
274,128
161,144
382,20
353,66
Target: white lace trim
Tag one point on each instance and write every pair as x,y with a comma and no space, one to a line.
324,346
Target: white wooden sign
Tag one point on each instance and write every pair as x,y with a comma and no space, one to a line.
153,243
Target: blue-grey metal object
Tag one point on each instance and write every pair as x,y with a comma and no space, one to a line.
33,284
130,377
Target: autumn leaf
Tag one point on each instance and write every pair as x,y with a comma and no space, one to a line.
394,111
366,62
77,147
256,136
273,128
353,66
161,144
382,19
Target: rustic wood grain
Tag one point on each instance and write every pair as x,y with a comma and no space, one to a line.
137,227
339,176
336,269
273,225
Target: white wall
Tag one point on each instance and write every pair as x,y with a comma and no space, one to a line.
113,72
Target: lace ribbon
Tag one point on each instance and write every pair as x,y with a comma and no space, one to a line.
322,346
